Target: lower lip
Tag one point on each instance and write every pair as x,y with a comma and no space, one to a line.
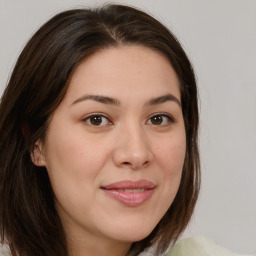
130,199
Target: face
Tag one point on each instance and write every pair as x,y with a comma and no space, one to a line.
115,146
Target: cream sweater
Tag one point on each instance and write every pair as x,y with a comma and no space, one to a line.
199,246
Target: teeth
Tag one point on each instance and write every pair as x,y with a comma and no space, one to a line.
133,190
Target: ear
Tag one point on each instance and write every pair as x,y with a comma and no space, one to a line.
37,154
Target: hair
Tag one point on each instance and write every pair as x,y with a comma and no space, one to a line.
28,218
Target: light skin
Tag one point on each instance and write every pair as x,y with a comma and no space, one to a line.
121,119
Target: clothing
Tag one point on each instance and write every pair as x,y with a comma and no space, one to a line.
4,251
199,246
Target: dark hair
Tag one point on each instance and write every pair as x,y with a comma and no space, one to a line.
28,218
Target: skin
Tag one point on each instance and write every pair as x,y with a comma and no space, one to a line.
126,144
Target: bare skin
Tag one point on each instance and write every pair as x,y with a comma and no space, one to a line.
120,121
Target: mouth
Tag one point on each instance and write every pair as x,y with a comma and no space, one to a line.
130,193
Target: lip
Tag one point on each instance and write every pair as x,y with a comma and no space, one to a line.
130,193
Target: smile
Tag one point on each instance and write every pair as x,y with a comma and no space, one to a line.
130,193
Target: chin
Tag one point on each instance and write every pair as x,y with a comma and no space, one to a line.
132,238
132,234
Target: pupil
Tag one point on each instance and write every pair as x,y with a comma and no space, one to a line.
157,120
96,120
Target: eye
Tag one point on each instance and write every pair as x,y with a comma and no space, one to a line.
97,120
160,120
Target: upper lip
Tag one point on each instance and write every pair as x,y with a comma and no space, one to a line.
129,184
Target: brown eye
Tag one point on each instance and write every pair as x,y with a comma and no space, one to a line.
160,120
156,120
97,120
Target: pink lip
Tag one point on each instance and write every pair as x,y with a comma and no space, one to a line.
130,198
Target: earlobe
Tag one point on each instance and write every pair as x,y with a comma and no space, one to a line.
37,154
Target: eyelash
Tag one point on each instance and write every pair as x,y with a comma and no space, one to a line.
170,119
88,120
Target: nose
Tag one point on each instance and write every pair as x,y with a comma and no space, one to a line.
132,150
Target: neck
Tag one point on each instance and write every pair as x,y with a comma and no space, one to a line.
84,247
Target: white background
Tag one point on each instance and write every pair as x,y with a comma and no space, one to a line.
220,38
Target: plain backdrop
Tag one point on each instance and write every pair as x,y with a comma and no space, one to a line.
220,39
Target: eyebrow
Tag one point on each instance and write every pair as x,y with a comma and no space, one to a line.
99,98
116,102
163,99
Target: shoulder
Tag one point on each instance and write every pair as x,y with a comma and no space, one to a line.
199,246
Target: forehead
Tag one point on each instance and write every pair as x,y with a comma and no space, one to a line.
125,70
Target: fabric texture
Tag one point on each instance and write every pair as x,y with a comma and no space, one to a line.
199,246
4,250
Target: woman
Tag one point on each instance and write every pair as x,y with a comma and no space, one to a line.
98,149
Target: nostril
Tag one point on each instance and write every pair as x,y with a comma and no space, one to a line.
136,165
146,163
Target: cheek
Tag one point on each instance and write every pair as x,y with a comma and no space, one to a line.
71,152
73,163
171,155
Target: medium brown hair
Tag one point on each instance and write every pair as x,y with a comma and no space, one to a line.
28,218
